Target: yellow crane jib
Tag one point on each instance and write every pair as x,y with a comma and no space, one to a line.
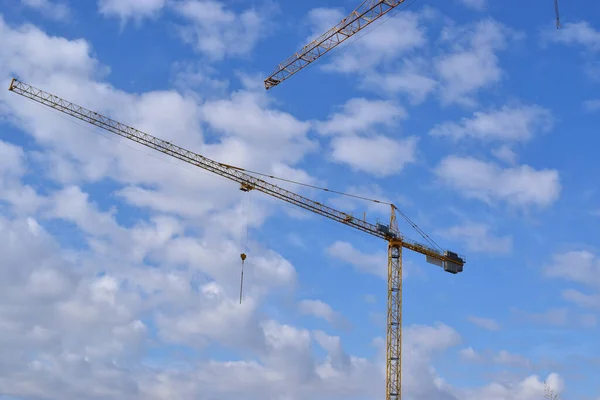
365,14
449,261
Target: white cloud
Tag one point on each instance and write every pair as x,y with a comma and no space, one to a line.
131,9
501,357
410,79
321,19
485,323
472,64
469,354
378,155
106,310
582,267
486,181
563,316
218,32
370,263
514,360
247,124
354,143
582,35
552,316
319,309
50,9
52,54
432,338
371,299
399,35
359,115
395,58
366,209
22,198
200,77
506,154
577,266
73,205
12,159
592,69
87,315
515,124
375,56
529,388
581,299
375,264
575,33
478,238
592,105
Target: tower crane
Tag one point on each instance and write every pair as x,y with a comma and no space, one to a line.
449,261
365,14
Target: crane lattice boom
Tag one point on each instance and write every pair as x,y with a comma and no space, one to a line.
230,172
449,261
368,12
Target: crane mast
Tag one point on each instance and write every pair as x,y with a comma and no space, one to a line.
449,261
365,14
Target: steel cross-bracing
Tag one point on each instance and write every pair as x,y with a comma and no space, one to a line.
365,14
449,261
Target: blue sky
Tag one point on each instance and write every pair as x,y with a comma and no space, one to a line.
121,267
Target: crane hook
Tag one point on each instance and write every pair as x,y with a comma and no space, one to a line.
243,257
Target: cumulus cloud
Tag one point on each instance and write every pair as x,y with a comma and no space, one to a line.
501,357
580,35
409,79
49,8
218,32
531,387
506,154
22,198
354,142
576,266
320,309
469,354
130,9
511,124
153,271
359,115
478,238
378,155
375,264
370,263
486,181
396,59
580,267
401,34
592,105
558,316
575,33
581,299
375,58
486,323
472,64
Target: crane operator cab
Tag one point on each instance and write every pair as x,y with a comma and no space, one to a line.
385,229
